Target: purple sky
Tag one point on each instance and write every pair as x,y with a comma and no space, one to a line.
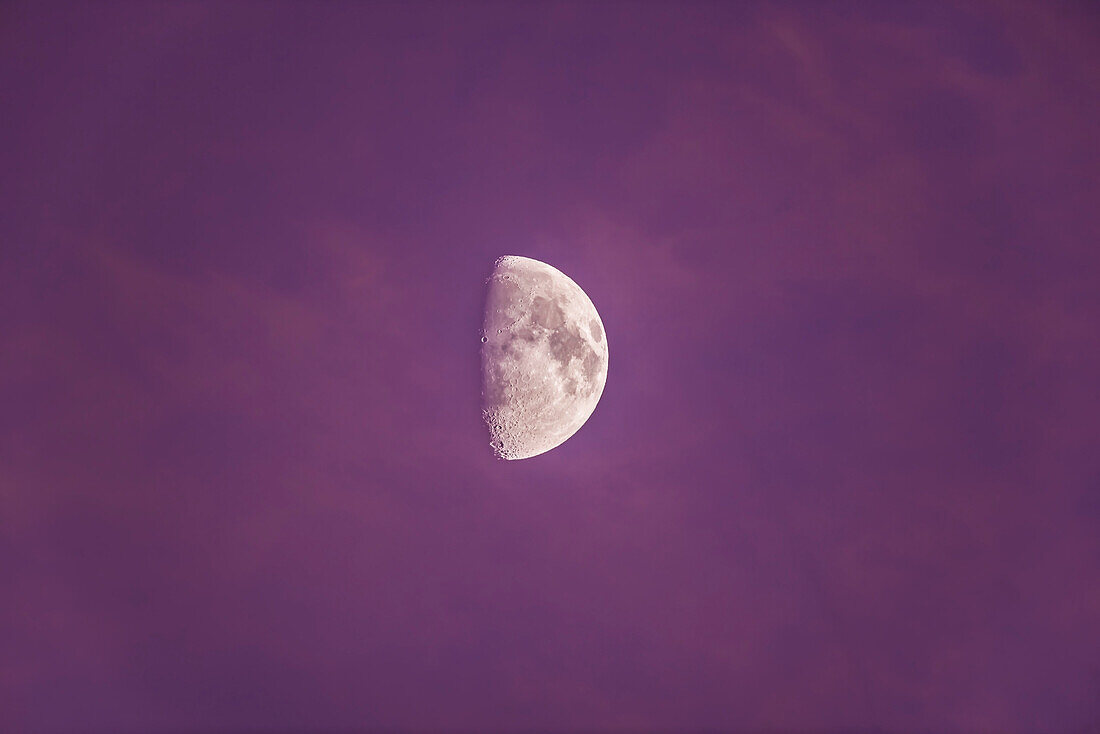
845,470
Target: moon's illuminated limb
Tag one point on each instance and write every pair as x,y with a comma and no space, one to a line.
543,357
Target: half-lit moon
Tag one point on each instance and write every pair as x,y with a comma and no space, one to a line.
543,357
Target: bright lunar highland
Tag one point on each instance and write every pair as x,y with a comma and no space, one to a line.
543,357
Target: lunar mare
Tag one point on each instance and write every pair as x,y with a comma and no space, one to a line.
543,357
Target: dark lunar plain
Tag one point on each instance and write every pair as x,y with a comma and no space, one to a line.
844,476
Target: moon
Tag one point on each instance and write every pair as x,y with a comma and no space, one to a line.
543,358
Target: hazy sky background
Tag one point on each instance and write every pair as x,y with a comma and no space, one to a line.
845,470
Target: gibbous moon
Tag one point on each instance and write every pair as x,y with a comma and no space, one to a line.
543,358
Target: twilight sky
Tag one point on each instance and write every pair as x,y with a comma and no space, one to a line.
844,474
